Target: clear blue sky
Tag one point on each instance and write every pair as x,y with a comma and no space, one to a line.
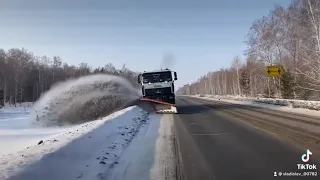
203,35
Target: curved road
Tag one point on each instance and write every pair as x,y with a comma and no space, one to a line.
218,140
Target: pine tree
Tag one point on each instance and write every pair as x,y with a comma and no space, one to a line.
287,86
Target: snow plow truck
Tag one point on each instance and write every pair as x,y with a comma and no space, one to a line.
158,88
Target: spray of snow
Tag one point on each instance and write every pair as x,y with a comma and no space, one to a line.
84,99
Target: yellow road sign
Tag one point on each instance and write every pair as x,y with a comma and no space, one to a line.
274,71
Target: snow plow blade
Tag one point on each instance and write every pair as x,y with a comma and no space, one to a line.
162,107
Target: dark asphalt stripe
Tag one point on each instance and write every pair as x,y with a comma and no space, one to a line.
179,163
197,170
288,115
242,154
297,135
306,140
273,113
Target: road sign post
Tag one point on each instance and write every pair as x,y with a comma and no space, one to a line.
274,71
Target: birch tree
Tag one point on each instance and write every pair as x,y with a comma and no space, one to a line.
236,65
24,76
310,68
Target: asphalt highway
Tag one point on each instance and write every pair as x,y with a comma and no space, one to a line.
218,140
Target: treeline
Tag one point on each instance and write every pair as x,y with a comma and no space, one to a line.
286,36
25,76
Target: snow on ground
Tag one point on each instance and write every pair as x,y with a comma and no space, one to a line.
310,108
151,155
14,125
14,117
128,144
17,132
164,168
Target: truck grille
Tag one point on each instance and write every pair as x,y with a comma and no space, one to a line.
158,91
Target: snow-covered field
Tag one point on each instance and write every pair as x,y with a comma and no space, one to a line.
288,105
128,144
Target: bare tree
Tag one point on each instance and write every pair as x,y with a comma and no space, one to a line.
24,76
310,68
286,36
236,65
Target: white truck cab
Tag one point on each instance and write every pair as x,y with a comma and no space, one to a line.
158,85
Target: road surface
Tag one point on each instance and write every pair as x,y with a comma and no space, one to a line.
216,140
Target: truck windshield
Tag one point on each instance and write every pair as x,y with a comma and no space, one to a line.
156,77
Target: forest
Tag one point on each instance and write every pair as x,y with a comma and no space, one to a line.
287,36
24,76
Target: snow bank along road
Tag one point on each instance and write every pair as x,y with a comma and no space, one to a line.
129,144
219,140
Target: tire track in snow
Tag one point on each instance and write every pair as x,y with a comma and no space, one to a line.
151,154
164,167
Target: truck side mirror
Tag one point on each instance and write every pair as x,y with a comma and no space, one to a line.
175,76
139,78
